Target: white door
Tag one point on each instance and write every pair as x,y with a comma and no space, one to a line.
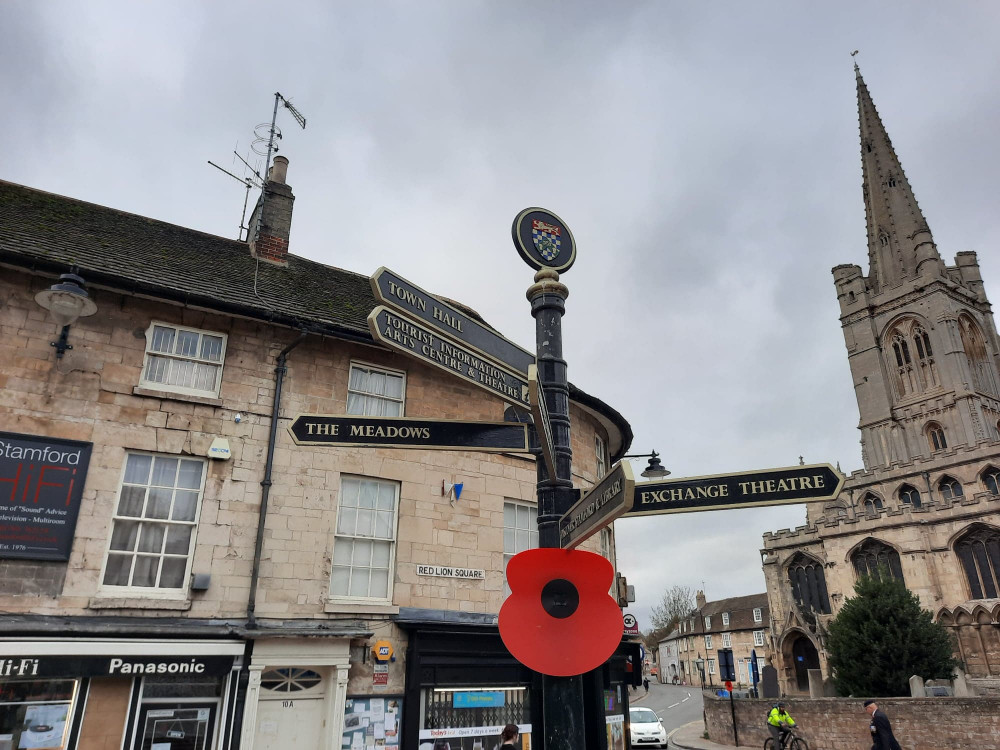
290,712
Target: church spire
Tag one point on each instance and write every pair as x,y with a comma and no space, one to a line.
900,246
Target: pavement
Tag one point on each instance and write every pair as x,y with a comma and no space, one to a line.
690,737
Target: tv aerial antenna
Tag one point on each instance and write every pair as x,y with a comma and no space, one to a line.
264,144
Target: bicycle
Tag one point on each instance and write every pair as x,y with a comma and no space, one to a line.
790,741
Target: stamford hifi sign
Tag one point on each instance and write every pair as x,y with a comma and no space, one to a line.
27,667
41,484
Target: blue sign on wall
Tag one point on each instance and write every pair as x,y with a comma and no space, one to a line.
478,699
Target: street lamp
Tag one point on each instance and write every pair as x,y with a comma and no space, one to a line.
654,470
67,301
700,663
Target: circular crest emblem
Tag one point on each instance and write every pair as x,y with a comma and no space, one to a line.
543,240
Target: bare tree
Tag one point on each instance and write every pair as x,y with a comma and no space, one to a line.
676,604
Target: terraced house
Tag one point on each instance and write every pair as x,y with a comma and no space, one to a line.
923,352
175,568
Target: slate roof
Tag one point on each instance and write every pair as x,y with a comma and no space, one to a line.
740,609
47,233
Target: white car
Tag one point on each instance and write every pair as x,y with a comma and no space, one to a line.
645,728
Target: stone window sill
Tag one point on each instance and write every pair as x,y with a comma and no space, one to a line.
345,607
170,396
135,602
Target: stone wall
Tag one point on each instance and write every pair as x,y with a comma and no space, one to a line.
837,723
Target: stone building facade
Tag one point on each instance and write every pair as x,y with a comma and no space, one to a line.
363,594
739,623
923,352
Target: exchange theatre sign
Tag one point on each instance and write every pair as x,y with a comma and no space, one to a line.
41,484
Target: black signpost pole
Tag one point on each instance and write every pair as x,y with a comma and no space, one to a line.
562,697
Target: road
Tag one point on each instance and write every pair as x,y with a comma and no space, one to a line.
676,705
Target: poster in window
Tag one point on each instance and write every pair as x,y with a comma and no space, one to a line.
372,722
615,726
44,727
41,484
471,738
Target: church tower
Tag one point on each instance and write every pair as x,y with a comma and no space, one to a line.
920,335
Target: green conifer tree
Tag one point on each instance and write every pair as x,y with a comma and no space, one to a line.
881,637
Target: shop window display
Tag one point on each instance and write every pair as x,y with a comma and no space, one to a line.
36,713
472,718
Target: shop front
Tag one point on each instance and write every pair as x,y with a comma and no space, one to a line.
463,686
137,694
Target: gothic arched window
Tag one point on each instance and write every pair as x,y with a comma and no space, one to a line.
892,181
979,551
935,436
975,352
809,584
991,478
872,504
950,488
874,558
928,372
915,368
908,495
883,239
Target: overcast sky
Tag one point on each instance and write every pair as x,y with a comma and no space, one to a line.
705,155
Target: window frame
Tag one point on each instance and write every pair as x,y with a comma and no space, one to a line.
708,622
153,385
378,368
601,451
758,638
180,593
708,641
727,640
346,598
758,614
725,619
530,506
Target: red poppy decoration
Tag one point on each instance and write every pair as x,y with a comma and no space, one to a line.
559,619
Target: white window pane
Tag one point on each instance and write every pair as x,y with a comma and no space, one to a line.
359,581
509,546
131,500
379,584
362,553
386,496
187,344
376,383
532,539
164,471
355,404
185,506
393,408
349,491
204,376
158,505
181,373
156,369
151,538
124,535
369,493
342,551
137,468
163,339
522,540
509,515
341,581
366,523
522,517
380,554
172,573
211,348
383,525
346,521
532,517
145,570
117,571
358,380
394,386
178,540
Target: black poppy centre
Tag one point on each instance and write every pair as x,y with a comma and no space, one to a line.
560,598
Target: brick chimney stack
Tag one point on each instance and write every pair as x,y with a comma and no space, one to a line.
700,599
271,220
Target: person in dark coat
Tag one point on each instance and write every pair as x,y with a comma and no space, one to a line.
508,737
882,737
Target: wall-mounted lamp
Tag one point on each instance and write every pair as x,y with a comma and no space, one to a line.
67,301
654,469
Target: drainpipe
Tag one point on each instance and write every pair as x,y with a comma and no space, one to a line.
241,690
279,376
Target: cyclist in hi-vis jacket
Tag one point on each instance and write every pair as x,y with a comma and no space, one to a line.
778,722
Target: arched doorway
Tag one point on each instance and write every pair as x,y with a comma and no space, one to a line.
804,658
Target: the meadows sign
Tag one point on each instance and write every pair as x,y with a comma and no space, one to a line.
41,483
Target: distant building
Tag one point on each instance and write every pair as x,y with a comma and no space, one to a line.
666,656
739,623
922,347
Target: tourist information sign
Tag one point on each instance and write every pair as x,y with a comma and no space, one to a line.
409,432
796,484
540,416
395,291
402,333
609,499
